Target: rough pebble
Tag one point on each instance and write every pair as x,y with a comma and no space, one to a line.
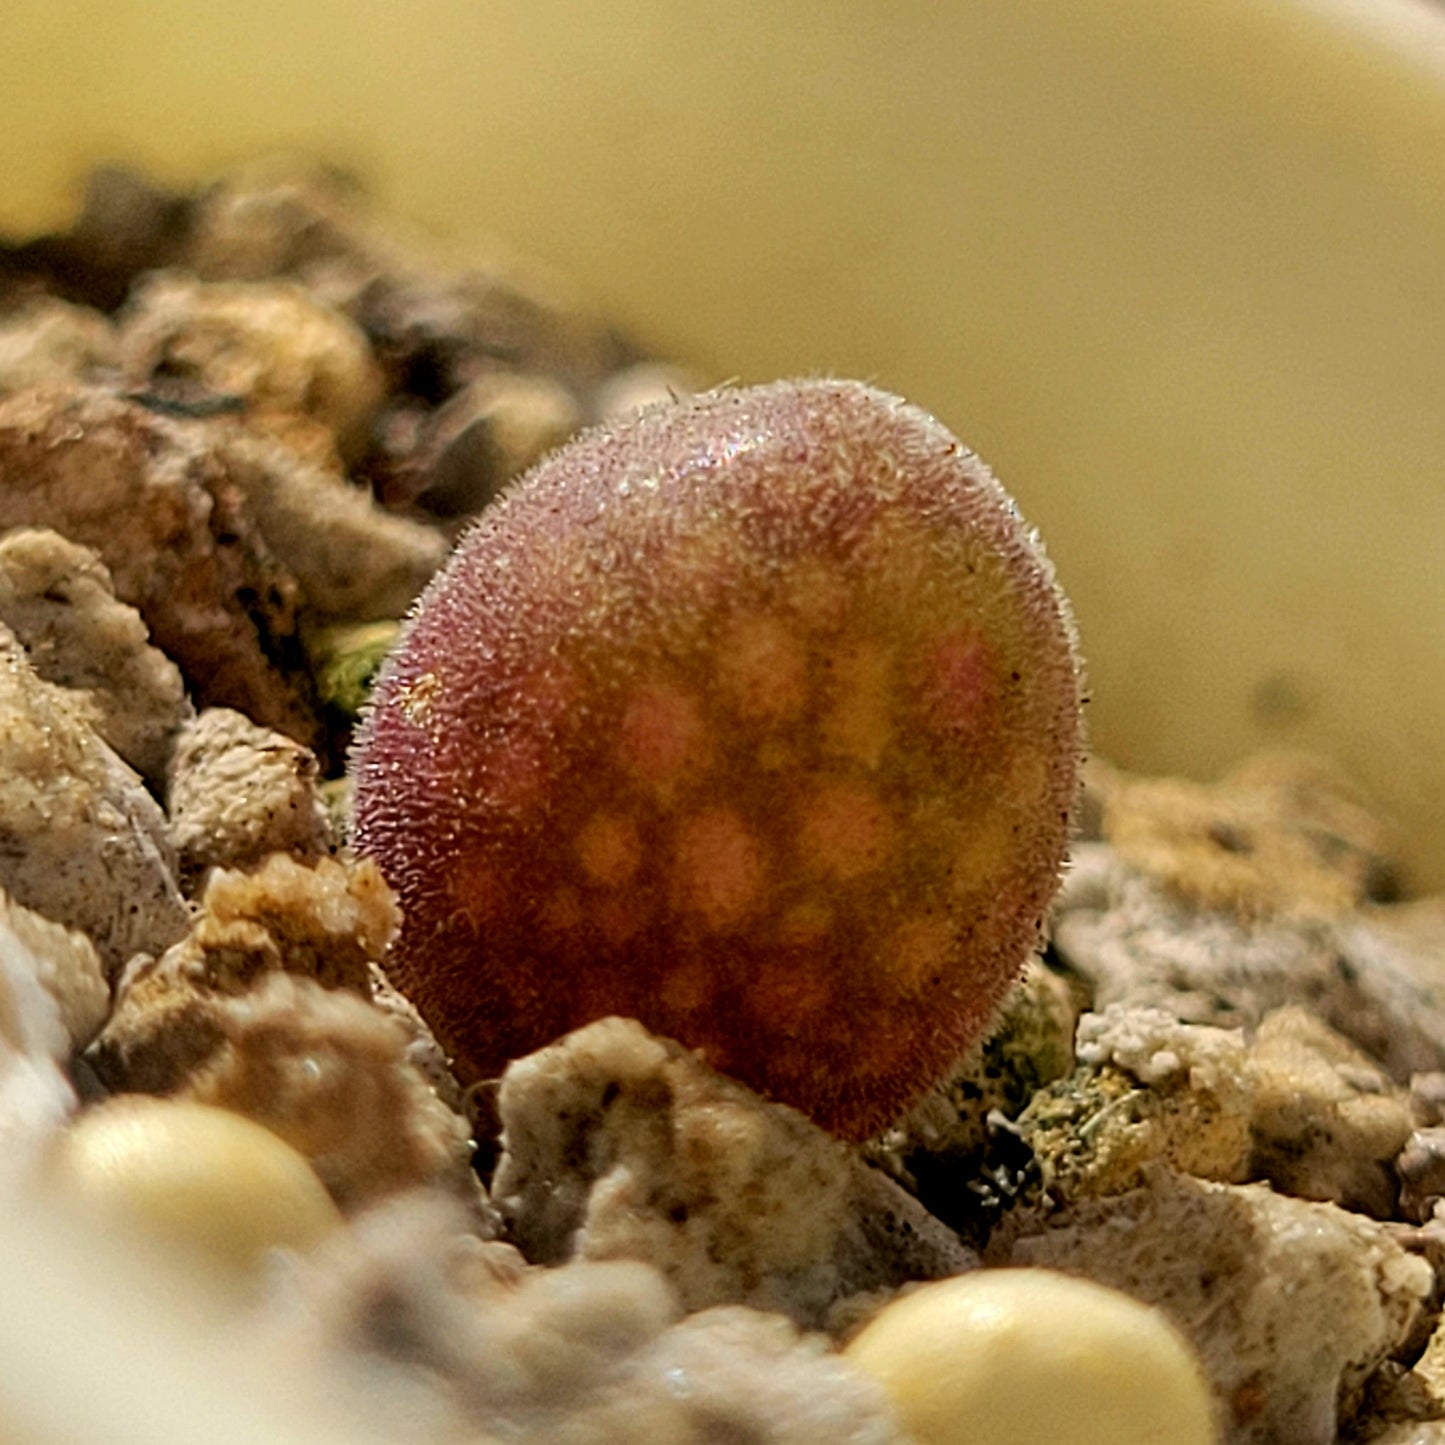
1132,942
153,500
329,1073
329,922
47,340
1282,834
349,557
1097,1133
1291,1305
463,453
238,793
1153,1046
620,1145
1327,1123
59,601
450,1338
271,345
81,840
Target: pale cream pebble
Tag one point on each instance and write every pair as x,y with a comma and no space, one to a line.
49,340
1291,1306
350,558
58,599
66,964
91,849
1133,942
329,1073
1031,1357
1327,1122
456,1338
329,921
620,1145
272,344
239,792
105,1339
199,1180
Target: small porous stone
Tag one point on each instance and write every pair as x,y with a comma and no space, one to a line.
1133,942
620,1145
159,508
271,345
81,840
1282,835
59,600
1326,1121
350,558
453,1340
238,793
329,922
1290,1305
1158,1050
479,440
329,1073
46,340
423,1052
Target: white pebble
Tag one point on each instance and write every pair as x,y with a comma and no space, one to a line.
195,1178
1032,1357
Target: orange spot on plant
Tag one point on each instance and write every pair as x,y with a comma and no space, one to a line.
844,830
781,763
662,736
762,669
610,849
718,869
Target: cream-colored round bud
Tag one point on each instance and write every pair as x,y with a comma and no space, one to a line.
1030,1357
193,1179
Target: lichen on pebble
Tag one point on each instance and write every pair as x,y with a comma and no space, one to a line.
755,717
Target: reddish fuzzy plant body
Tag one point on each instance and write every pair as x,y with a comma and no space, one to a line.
756,718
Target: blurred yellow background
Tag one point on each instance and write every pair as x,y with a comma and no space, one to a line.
1175,267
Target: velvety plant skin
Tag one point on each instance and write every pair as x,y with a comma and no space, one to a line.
755,717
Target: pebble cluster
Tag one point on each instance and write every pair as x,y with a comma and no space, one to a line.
1189,1185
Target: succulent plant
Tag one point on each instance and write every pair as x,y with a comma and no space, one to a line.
755,716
